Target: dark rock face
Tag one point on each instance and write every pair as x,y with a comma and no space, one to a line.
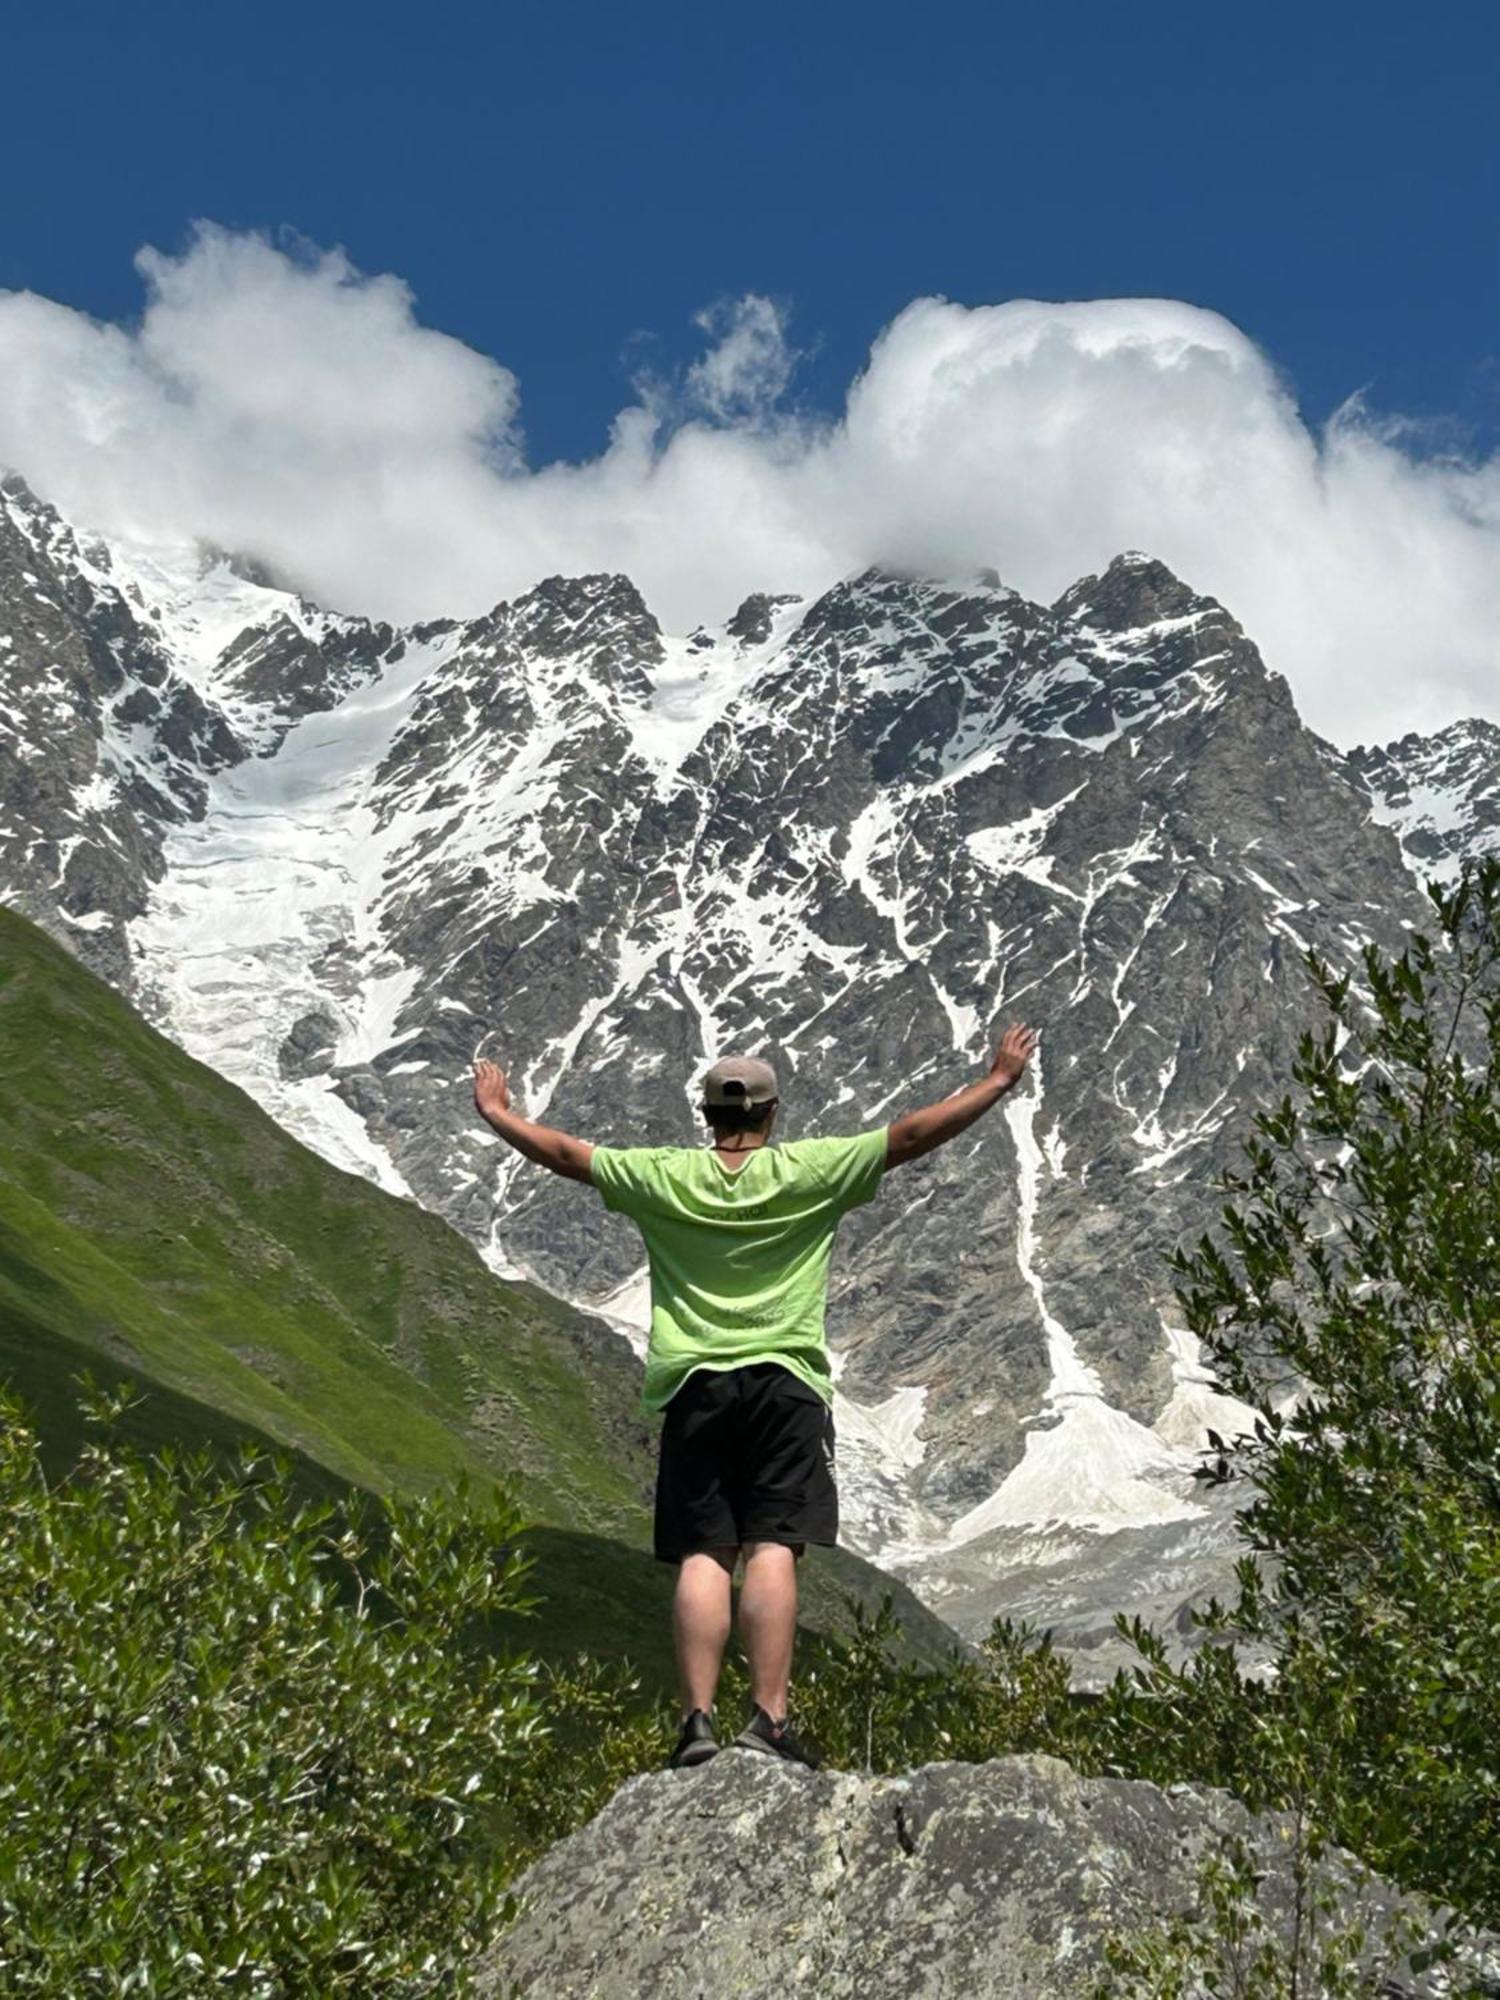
751,624
102,743
998,1881
291,668
308,1048
1440,793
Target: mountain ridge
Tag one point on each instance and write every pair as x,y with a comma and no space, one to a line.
856,833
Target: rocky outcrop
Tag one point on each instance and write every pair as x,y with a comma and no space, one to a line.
748,1881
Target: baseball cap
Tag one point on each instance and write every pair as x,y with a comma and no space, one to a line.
740,1080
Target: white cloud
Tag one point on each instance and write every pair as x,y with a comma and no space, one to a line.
748,369
277,401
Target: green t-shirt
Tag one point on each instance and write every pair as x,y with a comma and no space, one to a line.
739,1255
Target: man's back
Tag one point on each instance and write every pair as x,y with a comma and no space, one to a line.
739,1239
739,1254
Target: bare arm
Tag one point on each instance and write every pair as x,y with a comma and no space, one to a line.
918,1132
565,1156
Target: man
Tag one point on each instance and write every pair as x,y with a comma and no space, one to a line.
738,1235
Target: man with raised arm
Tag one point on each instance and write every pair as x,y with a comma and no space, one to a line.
738,1235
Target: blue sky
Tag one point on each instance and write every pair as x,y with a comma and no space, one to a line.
736,300
564,185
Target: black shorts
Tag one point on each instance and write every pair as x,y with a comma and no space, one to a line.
746,1456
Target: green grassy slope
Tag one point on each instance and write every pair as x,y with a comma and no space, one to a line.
155,1224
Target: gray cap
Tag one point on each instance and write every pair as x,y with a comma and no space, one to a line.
740,1080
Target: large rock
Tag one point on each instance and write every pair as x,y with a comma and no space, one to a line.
970,1882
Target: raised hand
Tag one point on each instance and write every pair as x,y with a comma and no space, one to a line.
563,1154
491,1093
1014,1052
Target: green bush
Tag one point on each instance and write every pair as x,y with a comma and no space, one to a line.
252,1743
248,1744
602,1725
1357,1267
1329,1939
868,1709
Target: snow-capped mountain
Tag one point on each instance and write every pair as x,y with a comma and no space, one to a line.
857,834
1440,793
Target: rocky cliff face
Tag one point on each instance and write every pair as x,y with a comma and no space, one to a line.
1440,793
997,1881
857,835
103,743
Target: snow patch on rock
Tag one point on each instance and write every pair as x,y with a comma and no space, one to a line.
1086,1464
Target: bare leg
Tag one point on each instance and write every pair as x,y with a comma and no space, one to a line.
700,1622
768,1622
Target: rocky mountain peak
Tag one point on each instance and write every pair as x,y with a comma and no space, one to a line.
558,610
298,662
20,499
103,743
32,527
602,621
1464,744
878,597
1134,592
751,623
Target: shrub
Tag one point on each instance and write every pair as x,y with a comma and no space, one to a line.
1329,1938
1358,1263
1351,1295
868,1709
248,1744
602,1725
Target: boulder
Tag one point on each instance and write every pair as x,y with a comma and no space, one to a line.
746,1879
